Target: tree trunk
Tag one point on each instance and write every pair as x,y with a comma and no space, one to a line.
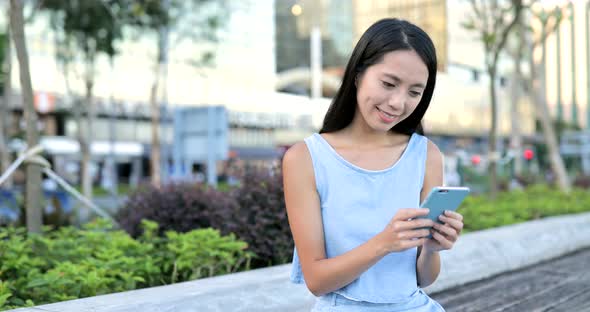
155,151
544,116
159,73
33,171
78,110
5,108
86,143
516,137
493,155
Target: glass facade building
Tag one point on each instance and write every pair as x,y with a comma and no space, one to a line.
430,15
294,22
341,23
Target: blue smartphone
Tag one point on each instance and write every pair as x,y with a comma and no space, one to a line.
443,198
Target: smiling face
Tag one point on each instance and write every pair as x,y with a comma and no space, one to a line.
388,92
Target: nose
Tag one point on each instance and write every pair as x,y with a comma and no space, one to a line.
397,101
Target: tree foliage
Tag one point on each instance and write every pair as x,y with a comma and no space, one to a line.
196,20
93,25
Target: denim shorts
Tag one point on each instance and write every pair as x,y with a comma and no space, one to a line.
418,302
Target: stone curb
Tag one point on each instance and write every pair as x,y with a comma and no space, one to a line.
476,256
490,252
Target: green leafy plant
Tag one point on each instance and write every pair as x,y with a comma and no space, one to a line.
534,202
204,253
69,263
5,293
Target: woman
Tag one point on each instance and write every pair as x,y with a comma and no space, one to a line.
352,191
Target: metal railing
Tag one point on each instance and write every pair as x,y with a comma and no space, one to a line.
32,156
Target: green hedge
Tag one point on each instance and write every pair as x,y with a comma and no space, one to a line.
535,202
70,263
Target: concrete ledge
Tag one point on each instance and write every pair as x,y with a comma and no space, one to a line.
486,253
475,256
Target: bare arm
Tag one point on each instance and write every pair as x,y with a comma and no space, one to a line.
322,274
428,262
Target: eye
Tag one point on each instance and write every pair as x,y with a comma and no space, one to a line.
387,84
415,94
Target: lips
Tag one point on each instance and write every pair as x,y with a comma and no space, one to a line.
386,117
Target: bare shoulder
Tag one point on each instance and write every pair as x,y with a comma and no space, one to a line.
297,164
297,156
433,153
434,173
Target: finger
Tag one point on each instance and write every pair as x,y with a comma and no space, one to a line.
413,224
454,215
456,224
441,239
414,234
401,226
448,231
410,213
407,244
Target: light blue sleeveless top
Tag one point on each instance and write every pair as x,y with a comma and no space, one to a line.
356,205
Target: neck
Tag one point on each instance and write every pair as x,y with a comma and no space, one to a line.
361,134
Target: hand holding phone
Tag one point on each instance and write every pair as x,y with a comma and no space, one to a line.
443,198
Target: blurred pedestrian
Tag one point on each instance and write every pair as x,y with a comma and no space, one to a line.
353,190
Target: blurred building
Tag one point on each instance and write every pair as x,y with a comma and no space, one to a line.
460,105
261,74
241,78
294,21
567,61
430,15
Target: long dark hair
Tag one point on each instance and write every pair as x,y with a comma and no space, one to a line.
384,36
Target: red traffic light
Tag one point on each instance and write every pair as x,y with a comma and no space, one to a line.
528,154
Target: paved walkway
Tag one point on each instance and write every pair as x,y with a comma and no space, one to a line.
558,285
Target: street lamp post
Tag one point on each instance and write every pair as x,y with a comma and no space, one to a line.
311,13
315,39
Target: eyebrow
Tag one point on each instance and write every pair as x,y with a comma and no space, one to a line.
397,80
